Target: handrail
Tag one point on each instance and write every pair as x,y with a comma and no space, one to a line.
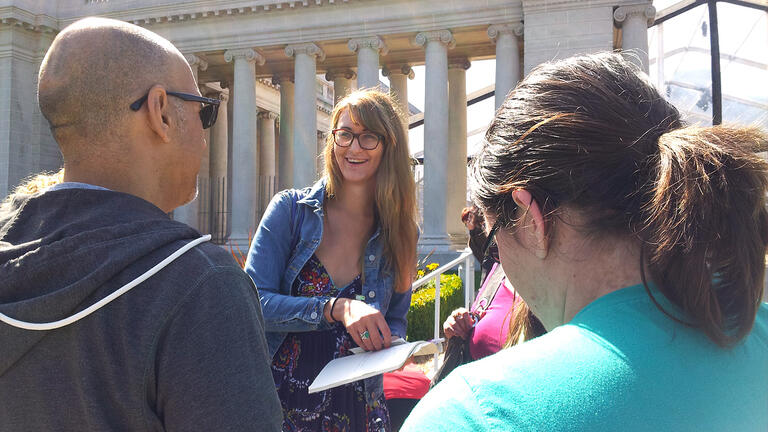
468,280
442,269
468,259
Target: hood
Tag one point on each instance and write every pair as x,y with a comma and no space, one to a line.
57,248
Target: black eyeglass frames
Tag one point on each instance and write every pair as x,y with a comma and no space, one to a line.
488,247
367,140
208,113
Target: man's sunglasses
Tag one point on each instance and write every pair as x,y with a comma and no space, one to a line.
207,115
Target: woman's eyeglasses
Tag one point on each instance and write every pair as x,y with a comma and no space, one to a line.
366,140
208,113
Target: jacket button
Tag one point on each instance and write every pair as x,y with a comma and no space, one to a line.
371,293
371,258
313,315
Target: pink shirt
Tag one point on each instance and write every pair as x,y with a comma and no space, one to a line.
490,333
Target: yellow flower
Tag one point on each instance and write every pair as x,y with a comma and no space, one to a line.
432,266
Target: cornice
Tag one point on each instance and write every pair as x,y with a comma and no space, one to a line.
13,16
538,6
201,9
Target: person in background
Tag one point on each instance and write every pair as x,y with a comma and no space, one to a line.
473,219
498,316
181,346
640,244
334,265
404,388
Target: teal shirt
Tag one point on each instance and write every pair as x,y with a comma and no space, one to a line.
620,364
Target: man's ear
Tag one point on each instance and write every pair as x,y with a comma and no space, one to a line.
157,112
532,212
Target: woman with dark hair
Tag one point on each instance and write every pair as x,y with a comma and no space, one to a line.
334,263
640,244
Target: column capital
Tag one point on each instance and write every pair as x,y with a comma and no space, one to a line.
321,134
406,70
305,48
224,97
284,77
248,54
333,74
196,60
373,42
647,11
267,115
443,36
510,28
459,63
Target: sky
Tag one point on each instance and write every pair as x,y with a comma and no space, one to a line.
686,72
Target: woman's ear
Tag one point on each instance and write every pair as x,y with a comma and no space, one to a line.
533,218
157,112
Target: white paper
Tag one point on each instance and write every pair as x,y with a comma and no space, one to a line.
355,367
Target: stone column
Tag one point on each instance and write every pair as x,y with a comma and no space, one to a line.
305,111
190,212
267,185
634,21
368,50
219,151
456,156
319,161
285,146
436,44
342,82
398,86
244,171
507,58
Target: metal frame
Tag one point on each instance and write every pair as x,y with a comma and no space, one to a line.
714,40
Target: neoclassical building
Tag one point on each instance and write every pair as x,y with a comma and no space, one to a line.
280,64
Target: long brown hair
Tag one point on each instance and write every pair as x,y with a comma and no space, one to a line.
395,187
592,133
523,326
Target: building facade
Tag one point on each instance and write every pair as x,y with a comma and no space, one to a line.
276,63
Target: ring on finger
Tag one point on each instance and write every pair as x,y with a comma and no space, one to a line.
365,335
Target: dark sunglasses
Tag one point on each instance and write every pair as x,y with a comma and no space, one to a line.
207,115
490,248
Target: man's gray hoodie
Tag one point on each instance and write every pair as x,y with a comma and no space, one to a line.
184,350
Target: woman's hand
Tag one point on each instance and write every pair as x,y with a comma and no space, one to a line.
358,317
459,323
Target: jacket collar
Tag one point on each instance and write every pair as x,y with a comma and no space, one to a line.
316,195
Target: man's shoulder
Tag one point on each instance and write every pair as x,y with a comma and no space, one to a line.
210,259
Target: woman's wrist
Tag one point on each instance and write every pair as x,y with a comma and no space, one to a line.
329,314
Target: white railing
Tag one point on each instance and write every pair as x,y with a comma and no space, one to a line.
466,265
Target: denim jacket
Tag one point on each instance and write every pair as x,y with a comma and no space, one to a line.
273,266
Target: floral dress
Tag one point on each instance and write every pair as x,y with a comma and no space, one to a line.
303,355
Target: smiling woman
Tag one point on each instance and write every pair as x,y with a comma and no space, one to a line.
333,264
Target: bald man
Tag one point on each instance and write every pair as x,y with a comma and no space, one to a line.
113,316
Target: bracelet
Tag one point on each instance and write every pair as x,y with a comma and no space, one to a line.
333,304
